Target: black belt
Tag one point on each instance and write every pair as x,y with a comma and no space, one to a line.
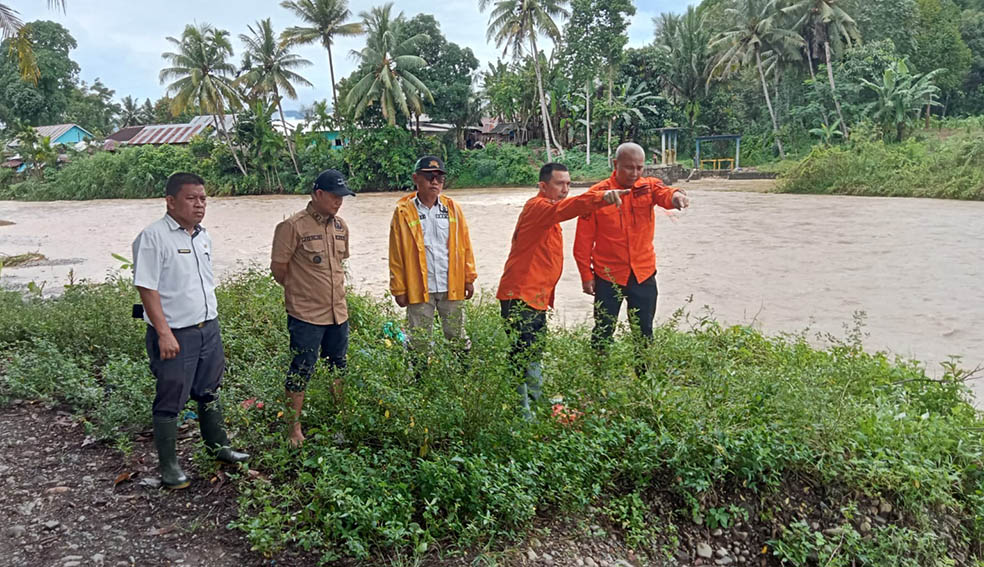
196,325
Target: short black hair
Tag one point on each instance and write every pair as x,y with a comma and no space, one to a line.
179,180
546,172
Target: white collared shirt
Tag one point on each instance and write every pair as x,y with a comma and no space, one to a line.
178,266
436,226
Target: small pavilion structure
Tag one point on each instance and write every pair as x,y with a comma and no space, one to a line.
668,145
718,162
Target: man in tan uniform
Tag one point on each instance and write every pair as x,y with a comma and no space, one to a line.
308,249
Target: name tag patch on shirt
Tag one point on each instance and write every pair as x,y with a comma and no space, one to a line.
312,237
339,237
184,251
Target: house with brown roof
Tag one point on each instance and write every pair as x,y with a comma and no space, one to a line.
169,134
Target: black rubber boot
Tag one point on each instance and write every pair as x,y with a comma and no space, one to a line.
165,437
214,435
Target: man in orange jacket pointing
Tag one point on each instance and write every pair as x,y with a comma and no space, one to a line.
613,248
535,263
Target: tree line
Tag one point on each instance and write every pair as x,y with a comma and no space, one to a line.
784,73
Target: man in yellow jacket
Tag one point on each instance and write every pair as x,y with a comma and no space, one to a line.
431,263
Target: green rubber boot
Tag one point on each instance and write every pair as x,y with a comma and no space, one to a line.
165,438
214,435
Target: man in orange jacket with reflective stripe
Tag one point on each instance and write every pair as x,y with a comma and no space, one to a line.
613,248
534,266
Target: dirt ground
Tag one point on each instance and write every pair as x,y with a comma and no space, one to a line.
72,502
68,501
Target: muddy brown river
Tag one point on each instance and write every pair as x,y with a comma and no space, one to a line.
782,262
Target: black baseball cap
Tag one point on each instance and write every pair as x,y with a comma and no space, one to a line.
331,181
429,163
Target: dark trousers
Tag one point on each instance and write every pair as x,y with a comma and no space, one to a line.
306,340
526,326
641,297
196,371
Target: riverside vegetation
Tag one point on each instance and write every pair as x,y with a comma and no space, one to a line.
845,89
726,427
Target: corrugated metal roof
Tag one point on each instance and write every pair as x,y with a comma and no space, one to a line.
158,134
56,131
227,122
125,134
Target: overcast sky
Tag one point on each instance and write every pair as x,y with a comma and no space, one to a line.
121,41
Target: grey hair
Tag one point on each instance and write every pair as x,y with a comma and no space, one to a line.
629,148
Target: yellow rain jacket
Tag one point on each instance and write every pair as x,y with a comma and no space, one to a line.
407,257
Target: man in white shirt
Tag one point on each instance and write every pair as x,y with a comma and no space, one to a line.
172,271
431,263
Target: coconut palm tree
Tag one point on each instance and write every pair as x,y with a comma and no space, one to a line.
130,112
753,32
147,114
203,76
390,79
11,27
326,20
686,39
513,23
821,21
271,71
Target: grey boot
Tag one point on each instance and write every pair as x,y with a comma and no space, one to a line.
524,402
165,438
534,380
214,435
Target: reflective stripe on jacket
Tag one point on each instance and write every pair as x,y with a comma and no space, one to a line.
407,256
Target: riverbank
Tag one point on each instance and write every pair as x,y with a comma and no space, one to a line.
934,165
783,263
713,441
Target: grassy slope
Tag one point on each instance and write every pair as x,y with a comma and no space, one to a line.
940,165
726,426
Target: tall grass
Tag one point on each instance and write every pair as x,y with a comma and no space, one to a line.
952,168
719,425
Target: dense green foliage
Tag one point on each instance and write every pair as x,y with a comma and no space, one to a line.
722,420
46,102
788,75
928,166
374,160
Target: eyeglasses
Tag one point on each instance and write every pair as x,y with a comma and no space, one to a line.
432,175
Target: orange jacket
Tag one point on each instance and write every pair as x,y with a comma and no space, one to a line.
614,243
408,259
536,258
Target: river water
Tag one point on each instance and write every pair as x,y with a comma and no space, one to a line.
783,262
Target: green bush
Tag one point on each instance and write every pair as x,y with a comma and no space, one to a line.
381,159
949,168
401,465
496,165
40,371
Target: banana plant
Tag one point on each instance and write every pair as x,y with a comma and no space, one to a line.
901,95
827,132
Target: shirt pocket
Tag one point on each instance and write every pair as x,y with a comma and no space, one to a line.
341,246
642,199
313,253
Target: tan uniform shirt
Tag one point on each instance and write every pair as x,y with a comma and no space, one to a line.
313,246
